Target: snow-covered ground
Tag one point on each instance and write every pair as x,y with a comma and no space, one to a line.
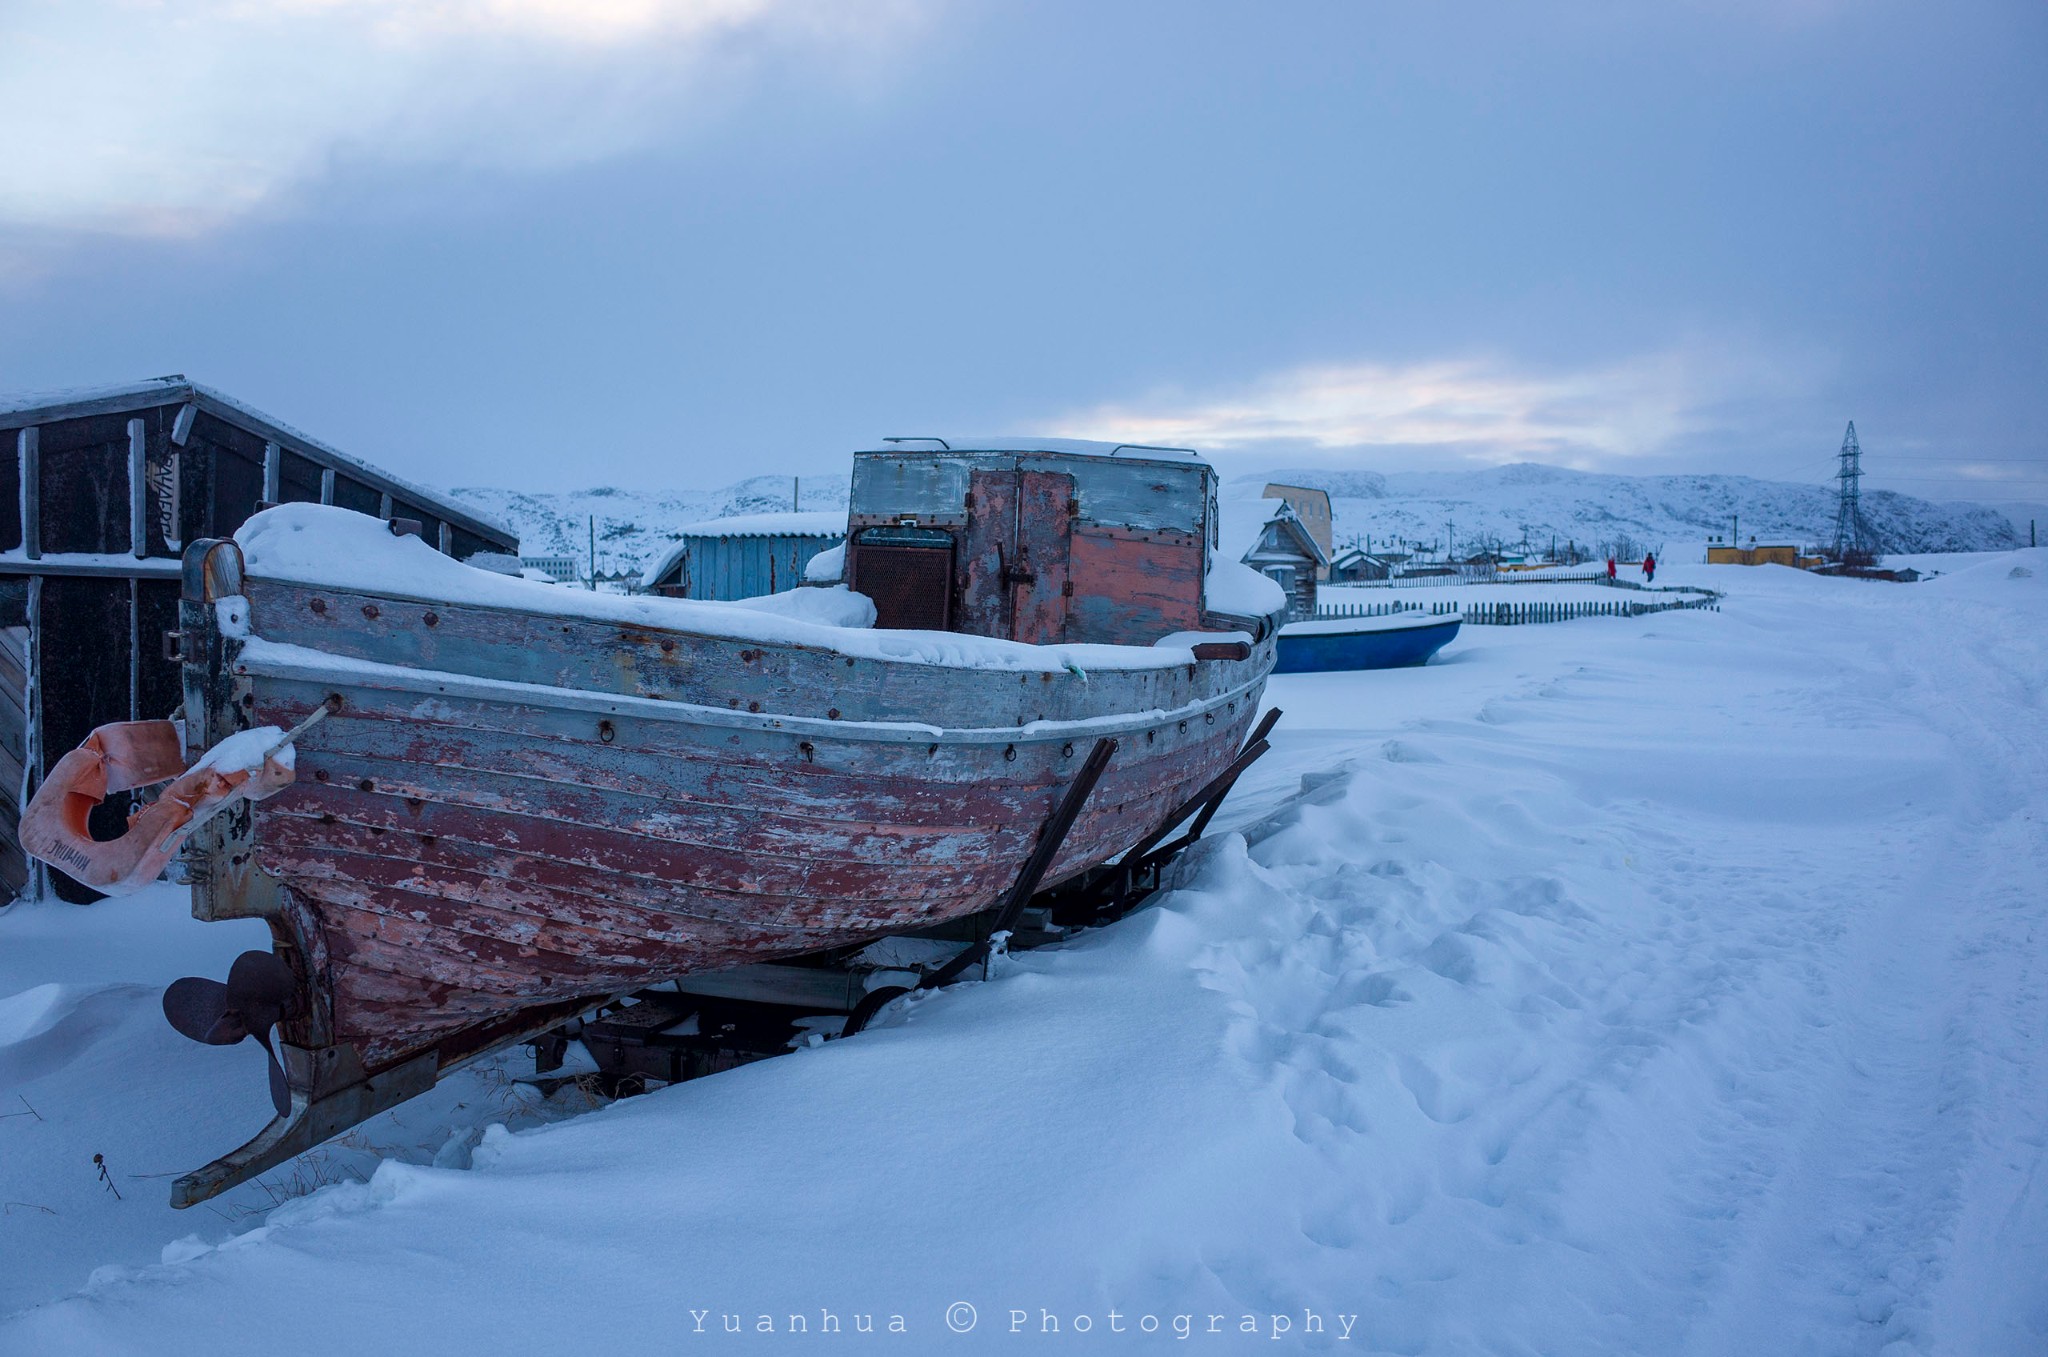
1674,985
635,528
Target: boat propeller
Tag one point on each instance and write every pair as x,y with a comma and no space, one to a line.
252,1002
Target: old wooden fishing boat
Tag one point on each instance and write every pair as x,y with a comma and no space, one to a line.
504,801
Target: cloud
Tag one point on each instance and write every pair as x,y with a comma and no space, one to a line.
142,118
1484,410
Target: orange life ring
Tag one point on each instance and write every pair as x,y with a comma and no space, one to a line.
116,758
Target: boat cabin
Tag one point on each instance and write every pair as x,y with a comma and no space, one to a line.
1042,542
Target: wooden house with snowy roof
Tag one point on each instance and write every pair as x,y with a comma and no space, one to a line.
99,492
1270,537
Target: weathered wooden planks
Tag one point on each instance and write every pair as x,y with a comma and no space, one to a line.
464,859
1140,582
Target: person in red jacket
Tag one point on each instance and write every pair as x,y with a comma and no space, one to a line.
1649,568
1610,567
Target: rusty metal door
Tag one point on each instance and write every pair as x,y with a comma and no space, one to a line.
1039,581
1015,555
985,550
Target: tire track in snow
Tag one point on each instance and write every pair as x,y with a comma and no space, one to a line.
1613,1055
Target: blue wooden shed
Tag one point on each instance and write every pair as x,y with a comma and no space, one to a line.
744,556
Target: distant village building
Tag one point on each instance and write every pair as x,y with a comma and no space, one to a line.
100,491
560,569
1270,537
1728,553
1355,565
1312,507
744,556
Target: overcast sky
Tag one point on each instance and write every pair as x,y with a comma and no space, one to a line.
555,243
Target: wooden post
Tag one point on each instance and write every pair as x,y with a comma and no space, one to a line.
327,486
28,451
138,489
135,649
384,505
447,543
32,742
273,473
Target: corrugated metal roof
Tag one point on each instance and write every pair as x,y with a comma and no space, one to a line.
1015,443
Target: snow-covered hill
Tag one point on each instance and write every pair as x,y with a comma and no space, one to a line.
1502,504
1529,501
634,527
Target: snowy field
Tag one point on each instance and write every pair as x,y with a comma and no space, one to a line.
1674,985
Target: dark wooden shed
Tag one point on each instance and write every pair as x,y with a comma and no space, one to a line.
102,490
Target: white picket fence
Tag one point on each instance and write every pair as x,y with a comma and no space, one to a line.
1519,614
1524,614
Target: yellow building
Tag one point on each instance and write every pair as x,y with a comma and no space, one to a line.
1728,554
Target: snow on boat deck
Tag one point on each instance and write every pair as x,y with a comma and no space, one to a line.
320,545
1659,988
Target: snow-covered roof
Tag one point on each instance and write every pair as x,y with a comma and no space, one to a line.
1244,520
1015,443
73,402
807,523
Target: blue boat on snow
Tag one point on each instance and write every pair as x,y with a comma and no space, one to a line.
1336,644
